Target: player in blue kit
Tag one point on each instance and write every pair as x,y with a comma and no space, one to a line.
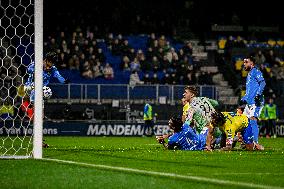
253,98
49,71
184,137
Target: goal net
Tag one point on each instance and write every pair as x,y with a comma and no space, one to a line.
20,35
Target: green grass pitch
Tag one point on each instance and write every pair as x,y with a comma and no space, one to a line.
103,162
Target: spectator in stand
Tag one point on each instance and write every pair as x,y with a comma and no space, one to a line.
100,56
155,64
149,54
166,79
110,40
125,48
61,63
174,79
134,79
190,79
174,62
260,58
155,79
165,64
97,70
187,49
86,71
181,54
271,58
116,48
239,43
131,54
108,71
135,65
151,40
147,79
162,41
125,64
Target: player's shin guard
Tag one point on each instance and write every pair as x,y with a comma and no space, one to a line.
255,130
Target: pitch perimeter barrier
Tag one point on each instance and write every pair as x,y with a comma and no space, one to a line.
87,128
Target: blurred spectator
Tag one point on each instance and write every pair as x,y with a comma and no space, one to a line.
155,79
187,49
147,79
155,64
100,56
260,58
134,79
166,79
98,70
135,65
108,71
86,71
125,64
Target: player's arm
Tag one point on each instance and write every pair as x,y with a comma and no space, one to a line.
261,82
171,145
31,68
58,76
214,103
209,137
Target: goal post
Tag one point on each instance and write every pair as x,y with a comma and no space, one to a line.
38,115
21,43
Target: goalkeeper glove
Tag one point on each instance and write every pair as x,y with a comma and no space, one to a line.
257,100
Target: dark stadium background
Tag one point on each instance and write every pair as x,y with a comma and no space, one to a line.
177,20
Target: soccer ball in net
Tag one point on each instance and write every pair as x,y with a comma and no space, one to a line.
47,93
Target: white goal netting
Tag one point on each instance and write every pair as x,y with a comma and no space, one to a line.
17,46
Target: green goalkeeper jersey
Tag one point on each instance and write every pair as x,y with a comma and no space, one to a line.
199,112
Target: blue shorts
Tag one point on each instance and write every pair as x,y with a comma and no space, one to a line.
248,135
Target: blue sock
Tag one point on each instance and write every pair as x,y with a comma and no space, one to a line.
255,130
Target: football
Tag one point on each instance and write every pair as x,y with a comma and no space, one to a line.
47,93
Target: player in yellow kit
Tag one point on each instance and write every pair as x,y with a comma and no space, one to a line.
185,108
230,125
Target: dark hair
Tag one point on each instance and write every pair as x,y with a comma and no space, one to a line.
218,118
242,107
177,123
51,57
251,57
192,89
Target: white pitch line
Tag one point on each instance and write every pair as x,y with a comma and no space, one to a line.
172,175
248,174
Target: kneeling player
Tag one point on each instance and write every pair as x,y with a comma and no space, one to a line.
230,125
184,137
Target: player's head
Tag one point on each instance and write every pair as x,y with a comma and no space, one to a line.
249,62
175,123
240,109
183,101
190,92
217,119
49,60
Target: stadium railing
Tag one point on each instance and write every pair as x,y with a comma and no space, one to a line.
101,92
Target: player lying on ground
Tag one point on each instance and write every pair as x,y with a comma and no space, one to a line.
184,137
230,125
49,71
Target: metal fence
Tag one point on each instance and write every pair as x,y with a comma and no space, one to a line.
125,92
